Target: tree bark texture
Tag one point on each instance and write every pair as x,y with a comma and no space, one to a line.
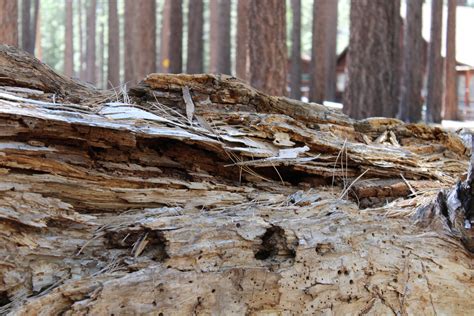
69,41
113,62
91,64
373,59
267,46
413,68
434,99
9,22
275,207
195,61
242,38
175,38
295,71
451,87
223,36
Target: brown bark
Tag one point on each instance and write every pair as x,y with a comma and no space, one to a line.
69,43
223,36
101,215
413,68
165,34
434,98
214,36
242,45
295,71
331,51
144,50
129,35
175,39
9,22
373,59
26,30
267,46
91,65
451,89
113,62
195,37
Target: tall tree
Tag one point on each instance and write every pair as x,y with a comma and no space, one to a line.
26,29
113,62
101,58
434,98
91,42
129,34
412,80
214,36
33,27
295,71
451,96
165,34
267,47
373,59
223,35
195,37
82,52
242,50
323,56
37,31
9,22
175,38
145,38
69,43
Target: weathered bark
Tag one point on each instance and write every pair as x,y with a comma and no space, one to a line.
144,46
109,209
113,62
214,36
9,22
26,30
195,61
129,35
267,23
373,59
413,69
175,39
295,71
434,99
242,38
69,41
451,88
223,36
91,65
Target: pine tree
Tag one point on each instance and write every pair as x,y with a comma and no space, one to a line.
9,22
69,43
91,42
195,37
144,52
451,97
175,38
242,50
223,35
129,35
113,62
295,71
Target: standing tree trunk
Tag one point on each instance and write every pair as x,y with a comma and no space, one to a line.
69,42
267,46
101,59
82,54
9,22
451,96
214,36
434,99
223,35
411,101
195,37
242,50
175,39
129,35
26,36
373,57
295,71
331,51
38,45
113,63
144,53
34,25
91,43
165,34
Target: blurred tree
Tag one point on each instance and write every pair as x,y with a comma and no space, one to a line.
373,59
91,43
195,37
295,71
26,27
214,36
82,54
412,80
175,39
434,99
144,51
113,62
331,51
165,34
242,53
267,46
129,34
9,22
69,43
451,97
223,35
33,27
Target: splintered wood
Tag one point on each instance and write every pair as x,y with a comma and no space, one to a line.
200,195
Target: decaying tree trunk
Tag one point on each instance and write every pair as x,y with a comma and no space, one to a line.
202,195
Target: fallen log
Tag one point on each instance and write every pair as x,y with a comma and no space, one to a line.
198,194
